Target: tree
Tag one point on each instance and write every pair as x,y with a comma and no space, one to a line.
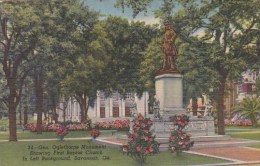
257,87
82,78
137,6
67,27
19,25
249,108
129,40
151,64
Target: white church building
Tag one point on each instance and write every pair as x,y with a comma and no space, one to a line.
105,108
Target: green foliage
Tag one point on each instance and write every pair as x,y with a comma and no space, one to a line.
257,87
249,108
151,64
124,59
136,6
4,124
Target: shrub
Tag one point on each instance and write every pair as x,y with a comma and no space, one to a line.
179,139
141,142
95,133
61,132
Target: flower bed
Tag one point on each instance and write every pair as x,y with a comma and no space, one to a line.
238,123
54,127
113,125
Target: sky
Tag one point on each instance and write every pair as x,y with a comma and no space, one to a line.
107,7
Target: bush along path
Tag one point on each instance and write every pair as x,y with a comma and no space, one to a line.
141,142
179,139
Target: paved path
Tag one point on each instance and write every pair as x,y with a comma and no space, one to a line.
238,154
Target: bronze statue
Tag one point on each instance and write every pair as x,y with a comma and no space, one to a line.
169,48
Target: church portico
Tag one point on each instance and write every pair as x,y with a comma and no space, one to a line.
105,108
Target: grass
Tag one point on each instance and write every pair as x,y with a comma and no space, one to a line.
241,129
34,135
247,135
12,154
245,132
255,146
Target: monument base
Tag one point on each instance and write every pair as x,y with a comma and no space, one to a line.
198,127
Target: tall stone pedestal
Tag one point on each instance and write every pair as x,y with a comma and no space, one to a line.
169,93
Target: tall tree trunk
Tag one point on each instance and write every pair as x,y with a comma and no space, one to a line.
220,105
25,114
12,113
38,80
54,114
83,103
20,117
194,104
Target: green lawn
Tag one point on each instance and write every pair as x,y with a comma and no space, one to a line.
71,134
14,154
246,135
230,129
245,132
255,146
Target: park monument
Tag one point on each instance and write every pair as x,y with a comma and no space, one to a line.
169,93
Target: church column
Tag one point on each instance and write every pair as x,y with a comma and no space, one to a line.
98,105
107,107
123,108
110,107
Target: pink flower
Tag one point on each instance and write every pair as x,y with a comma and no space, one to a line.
147,152
189,135
178,118
186,143
143,125
136,122
135,134
136,127
182,137
179,131
173,148
150,149
125,149
180,143
149,122
131,139
146,138
140,117
138,148
151,139
172,138
146,131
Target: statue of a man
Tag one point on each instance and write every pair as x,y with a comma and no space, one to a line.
169,48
